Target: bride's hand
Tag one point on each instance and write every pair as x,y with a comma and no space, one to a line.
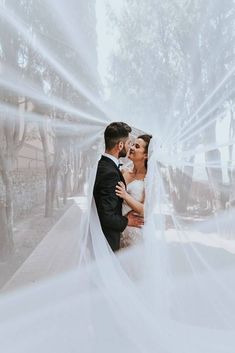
121,190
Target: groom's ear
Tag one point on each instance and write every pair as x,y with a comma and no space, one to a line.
120,145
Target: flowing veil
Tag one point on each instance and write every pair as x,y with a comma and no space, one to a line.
67,69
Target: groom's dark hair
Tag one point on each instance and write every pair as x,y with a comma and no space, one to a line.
114,133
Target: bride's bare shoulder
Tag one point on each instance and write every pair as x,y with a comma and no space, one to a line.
127,174
125,171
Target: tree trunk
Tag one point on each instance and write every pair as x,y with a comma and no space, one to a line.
50,187
7,209
54,178
77,171
48,200
6,237
214,173
65,187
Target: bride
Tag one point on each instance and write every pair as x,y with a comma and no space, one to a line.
133,194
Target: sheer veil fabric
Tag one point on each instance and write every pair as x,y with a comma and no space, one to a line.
69,68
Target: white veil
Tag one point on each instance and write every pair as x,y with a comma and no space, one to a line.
67,70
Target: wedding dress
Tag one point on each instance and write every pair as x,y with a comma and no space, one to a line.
132,235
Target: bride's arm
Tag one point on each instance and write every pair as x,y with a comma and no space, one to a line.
134,204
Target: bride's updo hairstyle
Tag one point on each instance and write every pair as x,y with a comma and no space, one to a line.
146,138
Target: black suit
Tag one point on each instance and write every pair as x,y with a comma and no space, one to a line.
109,205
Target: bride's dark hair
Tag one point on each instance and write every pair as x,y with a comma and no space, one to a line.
146,138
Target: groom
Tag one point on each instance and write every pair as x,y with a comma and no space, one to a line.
109,205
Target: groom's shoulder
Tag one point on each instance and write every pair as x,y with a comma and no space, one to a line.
106,162
102,163
106,168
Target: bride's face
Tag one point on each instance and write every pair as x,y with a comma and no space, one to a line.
137,152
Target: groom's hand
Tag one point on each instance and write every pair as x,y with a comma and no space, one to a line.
134,220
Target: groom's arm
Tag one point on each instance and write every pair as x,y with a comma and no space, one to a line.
108,204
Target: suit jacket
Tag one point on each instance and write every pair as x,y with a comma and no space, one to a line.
109,205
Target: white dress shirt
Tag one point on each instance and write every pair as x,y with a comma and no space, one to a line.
114,159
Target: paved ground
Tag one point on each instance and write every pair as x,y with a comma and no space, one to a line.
28,233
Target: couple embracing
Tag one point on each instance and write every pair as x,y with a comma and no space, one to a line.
119,195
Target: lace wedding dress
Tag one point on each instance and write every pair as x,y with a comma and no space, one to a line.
132,235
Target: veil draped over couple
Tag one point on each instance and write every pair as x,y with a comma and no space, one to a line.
119,194
67,69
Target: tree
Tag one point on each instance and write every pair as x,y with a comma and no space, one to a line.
12,138
167,64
